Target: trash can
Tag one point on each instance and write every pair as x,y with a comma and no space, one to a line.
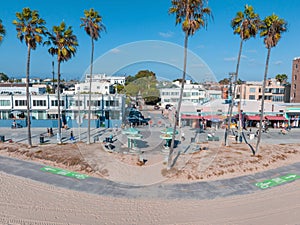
42,139
2,138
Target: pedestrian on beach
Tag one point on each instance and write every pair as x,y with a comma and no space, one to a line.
72,136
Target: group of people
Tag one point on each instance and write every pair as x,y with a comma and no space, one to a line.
50,132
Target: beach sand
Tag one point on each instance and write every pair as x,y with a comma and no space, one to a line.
24,201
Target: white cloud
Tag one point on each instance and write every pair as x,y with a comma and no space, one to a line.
279,62
166,34
251,51
230,59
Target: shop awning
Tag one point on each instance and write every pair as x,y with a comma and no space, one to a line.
256,118
186,116
213,118
276,118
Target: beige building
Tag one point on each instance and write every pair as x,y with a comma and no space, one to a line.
252,90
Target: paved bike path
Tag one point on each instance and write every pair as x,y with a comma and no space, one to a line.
197,190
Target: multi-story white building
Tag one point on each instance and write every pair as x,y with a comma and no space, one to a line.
193,93
103,77
98,87
109,109
20,88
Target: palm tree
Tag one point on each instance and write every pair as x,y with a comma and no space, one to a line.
92,23
2,31
64,44
281,78
271,28
30,28
192,15
246,25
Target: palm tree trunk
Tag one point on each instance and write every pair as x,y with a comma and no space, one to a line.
177,113
234,93
58,102
262,102
28,96
90,94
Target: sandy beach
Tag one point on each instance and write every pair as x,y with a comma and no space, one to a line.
25,201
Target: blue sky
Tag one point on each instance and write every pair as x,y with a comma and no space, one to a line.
131,22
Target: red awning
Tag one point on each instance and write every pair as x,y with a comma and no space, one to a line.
253,118
184,116
212,117
280,118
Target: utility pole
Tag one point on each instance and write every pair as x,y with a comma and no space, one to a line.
230,108
53,89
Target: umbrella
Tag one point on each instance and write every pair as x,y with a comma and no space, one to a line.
134,136
169,130
130,130
166,136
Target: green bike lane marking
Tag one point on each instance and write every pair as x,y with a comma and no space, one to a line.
62,172
277,181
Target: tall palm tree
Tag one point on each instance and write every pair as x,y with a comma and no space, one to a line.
271,29
246,25
30,28
64,44
92,23
2,31
192,15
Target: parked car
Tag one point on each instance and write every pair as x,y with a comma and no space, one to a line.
156,107
138,120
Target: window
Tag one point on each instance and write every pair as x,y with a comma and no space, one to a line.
295,86
55,103
80,103
4,103
94,103
251,97
295,77
111,103
39,103
277,98
186,94
252,90
20,102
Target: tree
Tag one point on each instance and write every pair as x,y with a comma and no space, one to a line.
92,23
30,28
2,31
192,15
271,29
3,77
246,25
64,44
281,78
224,81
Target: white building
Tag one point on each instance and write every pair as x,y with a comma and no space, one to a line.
103,77
20,88
192,93
98,87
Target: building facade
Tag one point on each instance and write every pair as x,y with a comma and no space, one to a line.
192,93
252,90
295,86
106,109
